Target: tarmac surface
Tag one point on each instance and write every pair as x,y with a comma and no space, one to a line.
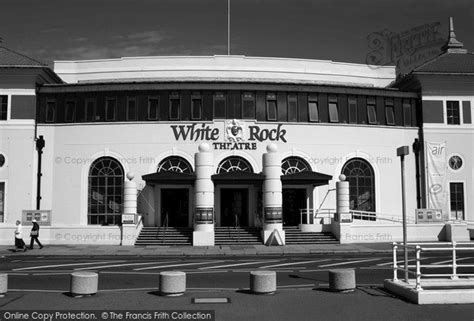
228,250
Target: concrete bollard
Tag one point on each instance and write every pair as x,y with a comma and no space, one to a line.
342,280
263,282
3,284
172,283
84,283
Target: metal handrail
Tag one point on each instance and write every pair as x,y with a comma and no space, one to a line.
454,248
237,226
164,225
313,214
380,216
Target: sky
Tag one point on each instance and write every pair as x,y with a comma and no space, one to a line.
338,30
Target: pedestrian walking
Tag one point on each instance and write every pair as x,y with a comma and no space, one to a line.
34,234
19,243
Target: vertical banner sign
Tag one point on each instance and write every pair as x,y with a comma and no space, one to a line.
437,184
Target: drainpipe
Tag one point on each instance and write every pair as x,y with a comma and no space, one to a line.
40,143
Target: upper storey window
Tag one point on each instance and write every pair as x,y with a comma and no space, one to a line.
219,105
50,111
175,102
248,105
70,111
3,107
313,108
406,112
292,108
196,106
153,108
333,109
371,111
389,112
352,102
452,112
272,111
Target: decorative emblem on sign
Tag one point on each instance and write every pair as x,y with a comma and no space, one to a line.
234,131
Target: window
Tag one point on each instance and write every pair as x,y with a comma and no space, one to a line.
153,108
371,111
2,202
175,164
70,111
406,112
50,111
313,108
234,164
3,107
271,107
219,105
352,102
456,192
452,112
131,108
291,165
90,110
196,106
248,105
333,111
105,196
175,102
389,113
292,107
110,108
360,176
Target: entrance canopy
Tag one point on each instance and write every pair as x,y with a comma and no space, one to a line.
236,177
306,178
169,177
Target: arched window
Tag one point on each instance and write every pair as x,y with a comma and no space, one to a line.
175,164
233,164
105,192
291,165
360,176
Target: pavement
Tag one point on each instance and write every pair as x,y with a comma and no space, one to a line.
224,250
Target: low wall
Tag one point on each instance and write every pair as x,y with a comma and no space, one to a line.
373,233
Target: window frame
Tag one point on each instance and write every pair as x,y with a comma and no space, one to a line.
94,109
196,96
313,99
352,101
66,109
248,97
292,98
127,108
174,97
271,101
463,201
407,112
157,111
372,109
46,118
333,108
107,100
448,117
221,97
389,111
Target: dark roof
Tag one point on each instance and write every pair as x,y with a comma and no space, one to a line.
458,63
169,177
238,177
10,58
306,178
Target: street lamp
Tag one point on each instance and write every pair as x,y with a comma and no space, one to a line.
402,152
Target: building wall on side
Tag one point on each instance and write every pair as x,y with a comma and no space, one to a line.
70,150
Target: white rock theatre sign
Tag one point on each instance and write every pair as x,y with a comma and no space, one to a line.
236,135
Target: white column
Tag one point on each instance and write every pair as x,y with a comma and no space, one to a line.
203,197
129,216
341,226
272,197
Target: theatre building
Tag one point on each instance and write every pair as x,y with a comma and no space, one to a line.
232,149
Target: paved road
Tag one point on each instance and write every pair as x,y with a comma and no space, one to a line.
52,273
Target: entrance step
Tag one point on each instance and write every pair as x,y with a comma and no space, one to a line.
293,235
239,235
165,236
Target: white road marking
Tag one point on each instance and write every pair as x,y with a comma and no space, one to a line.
399,261
293,263
62,265
450,261
296,286
235,264
346,263
120,265
175,265
51,273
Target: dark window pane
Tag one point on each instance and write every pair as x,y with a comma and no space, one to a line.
174,106
70,111
131,109
90,110
248,106
406,113
292,108
50,111
153,108
196,108
3,107
219,102
452,112
352,101
110,109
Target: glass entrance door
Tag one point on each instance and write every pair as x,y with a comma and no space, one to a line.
175,206
234,207
294,199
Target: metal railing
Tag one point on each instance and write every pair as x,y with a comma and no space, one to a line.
310,215
453,247
374,216
164,225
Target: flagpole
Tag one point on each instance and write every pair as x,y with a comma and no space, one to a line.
228,27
